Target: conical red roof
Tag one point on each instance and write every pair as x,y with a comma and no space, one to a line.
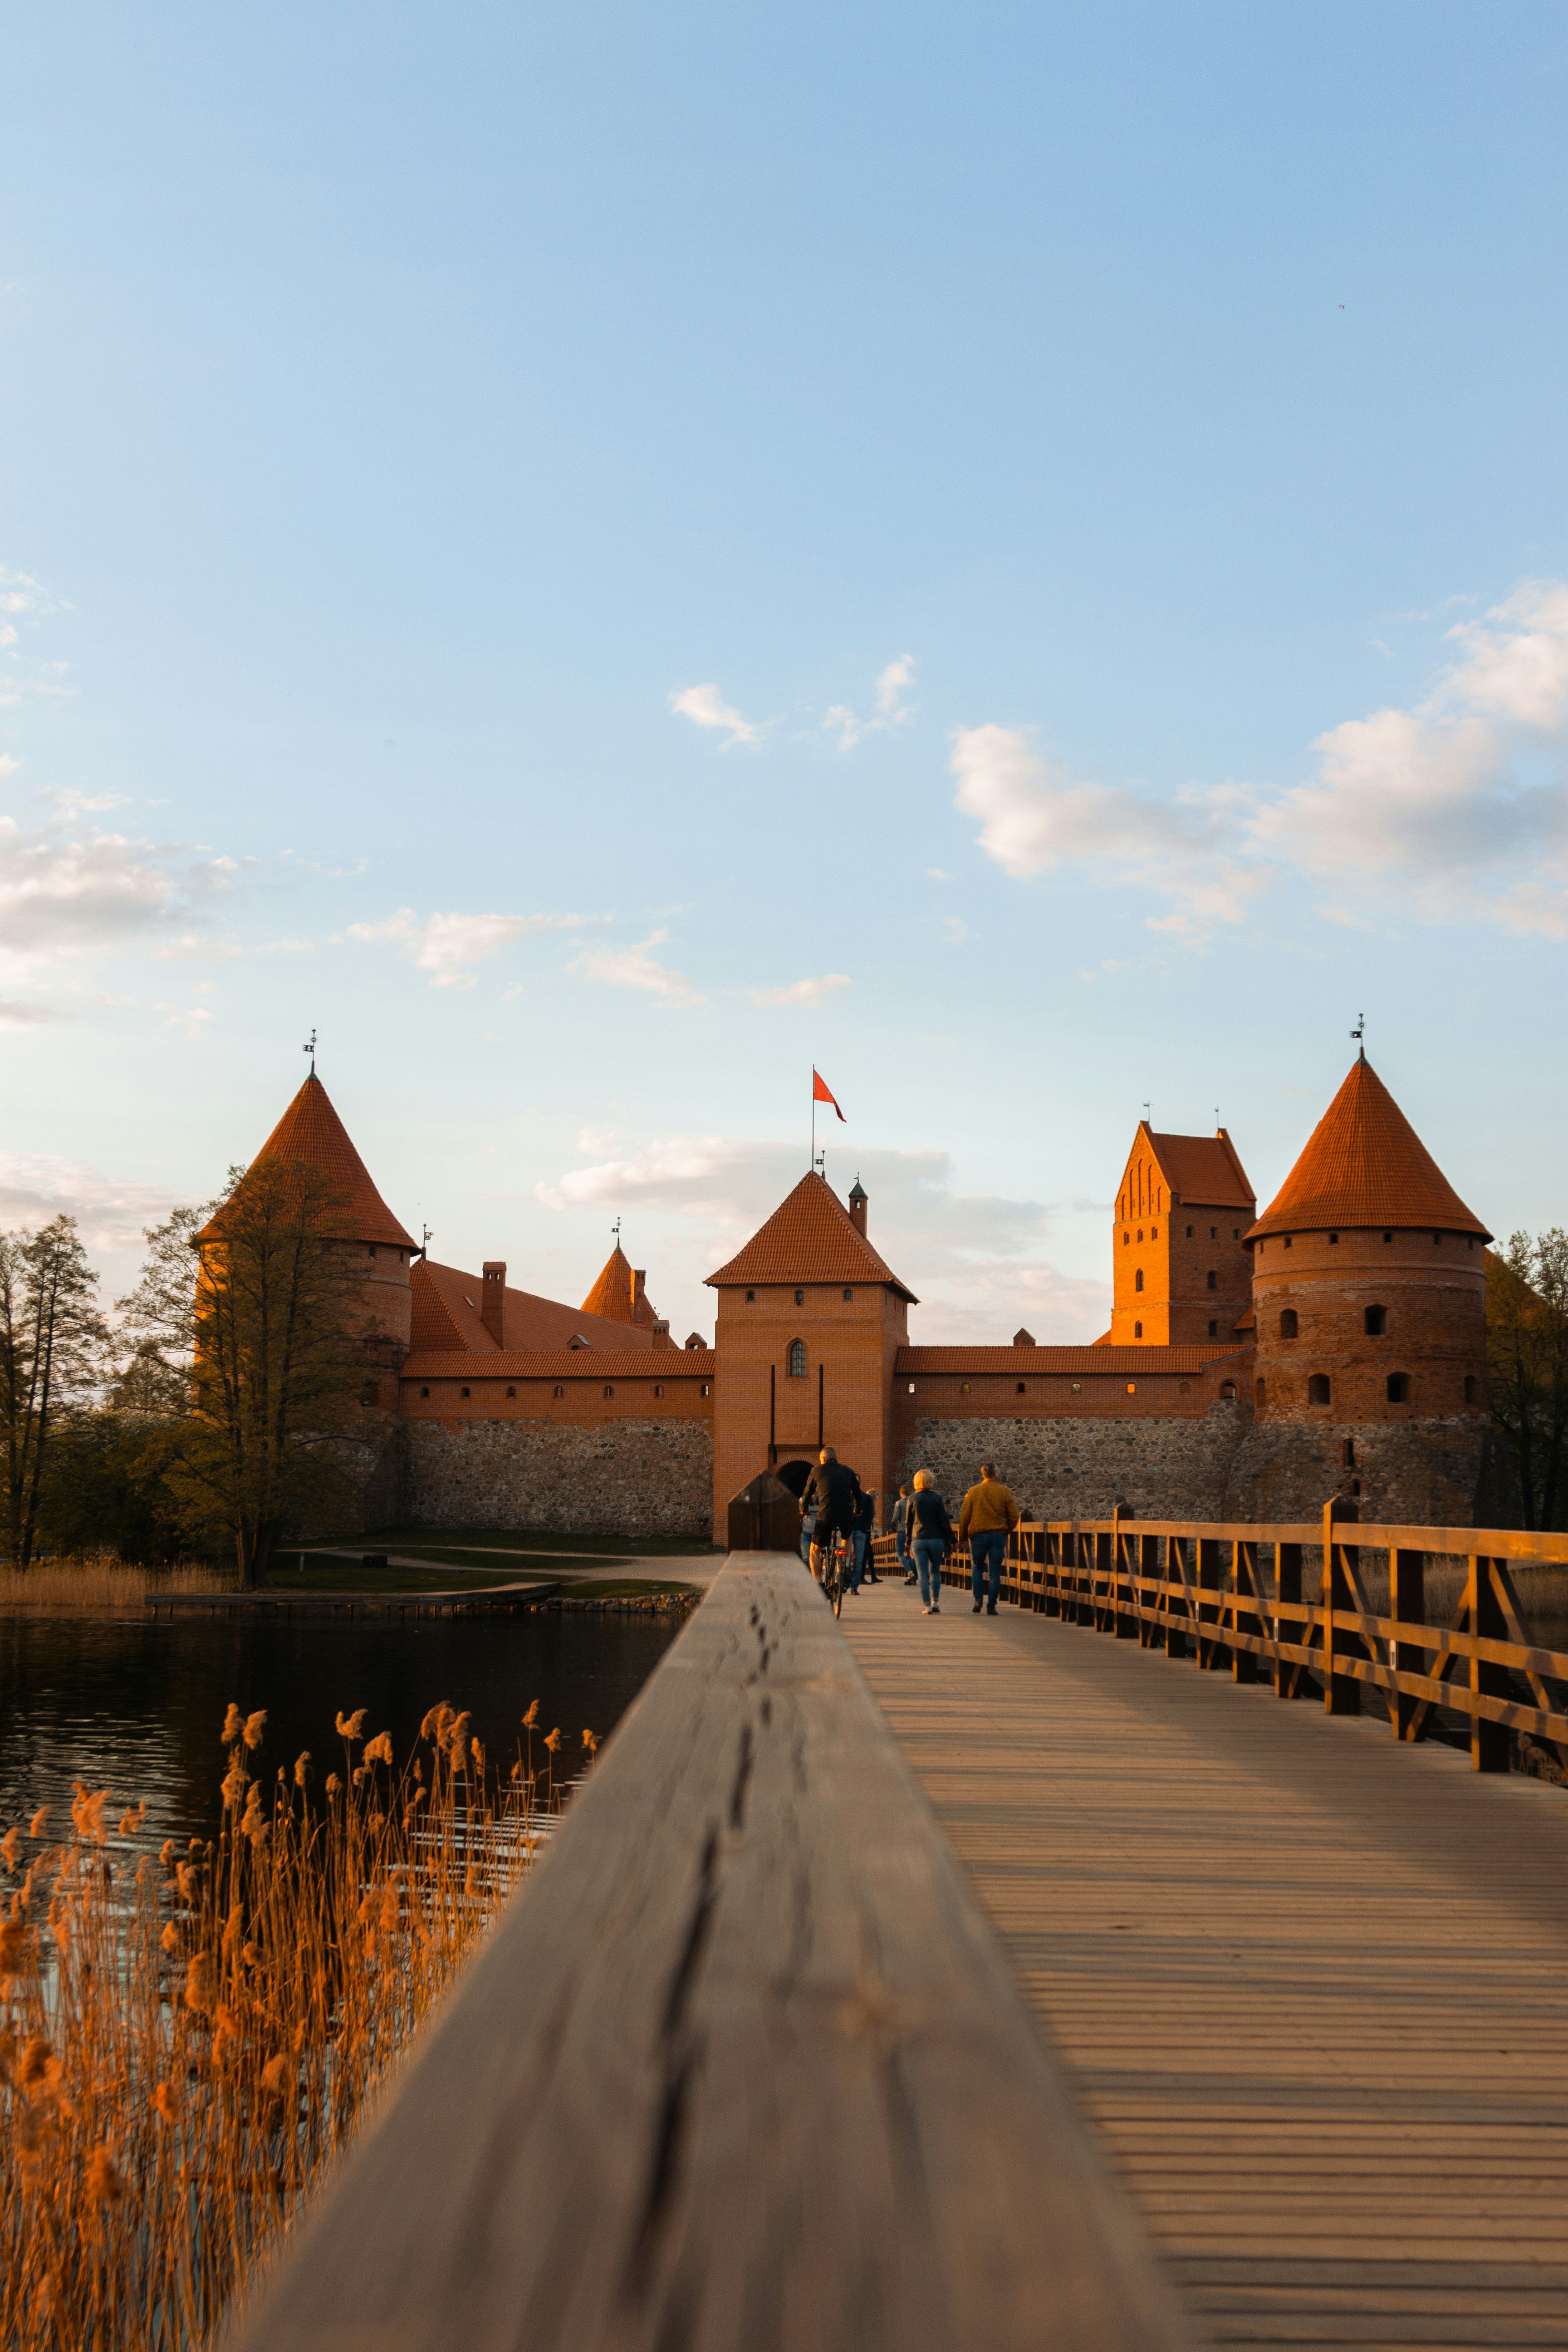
311,1134
810,1237
1365,1165
616,1295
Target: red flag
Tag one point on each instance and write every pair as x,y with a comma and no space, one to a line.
822,1092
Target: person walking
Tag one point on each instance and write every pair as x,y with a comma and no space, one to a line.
832,1492
931,1532
902,1534
865,1528
986,1518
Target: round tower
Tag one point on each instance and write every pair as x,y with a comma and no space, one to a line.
1368,1279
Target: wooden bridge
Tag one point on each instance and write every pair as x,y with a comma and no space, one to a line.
756,2064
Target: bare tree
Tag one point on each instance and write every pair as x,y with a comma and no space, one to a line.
1527,1356
52,1337
251,1333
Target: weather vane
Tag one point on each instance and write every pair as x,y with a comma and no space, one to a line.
1145,1111
615,1229
425,1238
311,1049
1359,1033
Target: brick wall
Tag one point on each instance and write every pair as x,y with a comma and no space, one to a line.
632,1477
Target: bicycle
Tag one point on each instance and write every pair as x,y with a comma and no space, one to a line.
837,1565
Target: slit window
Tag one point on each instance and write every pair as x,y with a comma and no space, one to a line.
609,1388
1213,1279
464,1392
658,1388
1138,1279
1021,1390
847,1297
558,1389
1290,1328
1376,1322
1318,1389
1214,1328
1189,1233
800,1298
424,1392
1469,1388
1399,1388
512,1393
1137,1330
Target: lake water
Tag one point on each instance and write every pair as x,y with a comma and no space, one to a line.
136,1705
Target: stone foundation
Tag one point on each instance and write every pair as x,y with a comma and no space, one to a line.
1224,1466
625,1478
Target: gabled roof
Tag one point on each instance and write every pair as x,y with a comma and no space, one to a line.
810,1237
310,1134
1365,1165
1202,1170
447,1319
618,1295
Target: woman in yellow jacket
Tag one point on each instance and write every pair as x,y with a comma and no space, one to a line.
988,1517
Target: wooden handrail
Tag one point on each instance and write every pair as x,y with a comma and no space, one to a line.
741,2067
1163,1582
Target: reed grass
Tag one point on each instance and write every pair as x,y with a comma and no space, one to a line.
101,1581
186,2038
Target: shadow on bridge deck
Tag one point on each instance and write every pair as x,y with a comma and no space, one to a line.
1311,1986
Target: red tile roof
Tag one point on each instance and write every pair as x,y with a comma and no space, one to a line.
1116,1363
447,1317
1365,1165
312,1135
1203,1168
810,1237
564,1364
618,1295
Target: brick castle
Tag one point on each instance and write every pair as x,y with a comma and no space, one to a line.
1254,1366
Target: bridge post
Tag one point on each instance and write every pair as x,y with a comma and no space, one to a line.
1177,1613
1489,1741
1244,1662
1407,1606
1290,1679
1124,1563
1341,1693
1211,1650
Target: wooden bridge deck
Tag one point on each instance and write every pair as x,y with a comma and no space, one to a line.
1311,1986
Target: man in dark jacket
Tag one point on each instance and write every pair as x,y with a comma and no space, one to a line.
834,1490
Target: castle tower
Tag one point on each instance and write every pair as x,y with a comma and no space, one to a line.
1183,1274
1369,1278
620,1296
809,1322
380,1254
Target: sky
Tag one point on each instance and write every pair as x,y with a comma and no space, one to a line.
599,558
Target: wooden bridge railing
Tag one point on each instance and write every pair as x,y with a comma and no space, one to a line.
1235,1598
740,2070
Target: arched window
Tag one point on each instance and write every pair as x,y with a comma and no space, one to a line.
609,1392
1138,1279
1376,1322
512,1393
1318,1389
1262,1393
1139,1232
1399,1388
462,1393
847,1297
658,1388
558,1389
1125,1239
1153,1233
1288,1325
1227,1391
1137,1330
797,1360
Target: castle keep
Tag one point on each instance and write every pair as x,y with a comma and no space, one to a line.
1254,1367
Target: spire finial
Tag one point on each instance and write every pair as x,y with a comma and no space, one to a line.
311,1049
1359,1035
615,1229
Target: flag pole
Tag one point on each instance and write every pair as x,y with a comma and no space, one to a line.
813,1114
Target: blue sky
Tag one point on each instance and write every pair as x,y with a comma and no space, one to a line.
601,556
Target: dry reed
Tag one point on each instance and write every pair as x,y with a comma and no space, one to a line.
101,1582
186,2038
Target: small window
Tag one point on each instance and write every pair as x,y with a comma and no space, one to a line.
1388,1237
1213,1280
1153,1233
463,1391
1132,1388
1288,1326
1469,1388
1399,1388
911,1388
1376,1322
512,1393
658,1388
800,1298
1437,1241
1236,1232
1260,1392
1137,1330
1227,1391
424,1392
1213,1233
369,1390
847,1297
964,1388
1076,1388
1287,1241
751,1297
1333,1237
1020,1388
703,1390
559,1391
1139,1232
797,1361
1138,1279
1189,1233
373,1249
1125,1239
1318,1389
1347,1454
1185,1386
1214,1328
609,1389
1469,1240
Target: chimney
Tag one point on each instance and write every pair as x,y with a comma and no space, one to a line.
857,1209
639,1286
492,1300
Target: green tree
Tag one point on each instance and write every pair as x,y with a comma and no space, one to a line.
1527,1357
249,1331
52,1340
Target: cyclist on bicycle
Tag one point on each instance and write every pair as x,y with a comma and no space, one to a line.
835,1492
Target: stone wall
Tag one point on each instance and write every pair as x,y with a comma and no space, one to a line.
627,1477
1225,1466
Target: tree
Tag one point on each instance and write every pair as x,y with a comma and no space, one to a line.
250,1335
1527,1356
52,1338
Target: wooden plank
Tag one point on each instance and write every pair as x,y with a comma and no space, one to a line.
742,2067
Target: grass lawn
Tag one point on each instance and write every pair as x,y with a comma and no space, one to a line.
454,1542
329,1575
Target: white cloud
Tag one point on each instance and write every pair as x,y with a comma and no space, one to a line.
1458,804
112,1211
88,804
65,894
23,599
705,707
15,1013
193,1020
801,991
635,967
954,930
446,946
976,1260
892,710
